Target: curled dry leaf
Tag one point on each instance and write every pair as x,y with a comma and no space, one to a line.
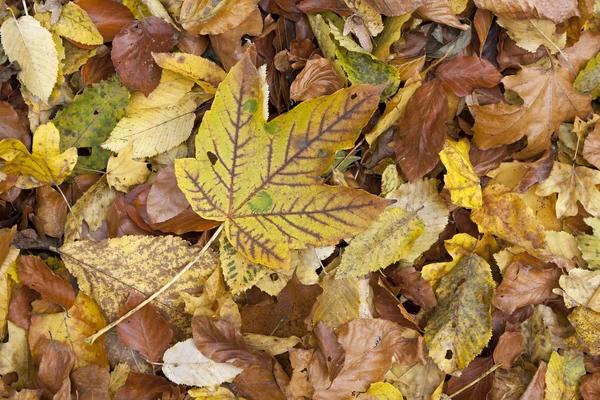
318,78
34,273
133,46
51,212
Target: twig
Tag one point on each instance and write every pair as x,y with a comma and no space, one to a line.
495,367
185,269
556,47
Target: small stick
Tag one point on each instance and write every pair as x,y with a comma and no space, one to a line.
495,367
185,269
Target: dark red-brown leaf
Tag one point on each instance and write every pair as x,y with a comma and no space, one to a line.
108,16
97,69
55,365
331,348
11,126
462,75
146,387
422,130
145,331
19,310
472,372
132,52
34,273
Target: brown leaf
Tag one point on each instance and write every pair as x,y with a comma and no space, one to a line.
591,146
165,200
548,99
316,6
57,360
11,126
34,273
97,69
486,160
51,211
222,342
227,45
20,308
118,221
512,56
299,386
537,171
422,131
535,389
317,79
207,17
440,11
556,11
482,21
91,382
332,349
472,372
367,342
146,387
145,331
590,387
285,317
524,285
132,52
463,74
192,44
108,16
508,349
394,8
412,285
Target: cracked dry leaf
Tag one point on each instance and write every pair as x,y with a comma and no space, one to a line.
548,99
28,43
276,203
572,184
44,165
563,375
109,269
461,180
460,326
72,327
123,172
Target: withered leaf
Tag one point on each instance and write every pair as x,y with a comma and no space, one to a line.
146,387
91,382
34,273
109,16
463,74
556,11
318,78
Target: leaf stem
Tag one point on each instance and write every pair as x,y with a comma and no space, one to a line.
25,8
185,269
489,371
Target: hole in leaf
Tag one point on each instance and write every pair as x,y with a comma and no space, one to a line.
448,355
212,157
84,151
96,112
354,95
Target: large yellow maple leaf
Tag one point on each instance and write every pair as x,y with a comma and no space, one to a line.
262,178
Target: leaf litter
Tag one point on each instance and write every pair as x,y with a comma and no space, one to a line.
299,199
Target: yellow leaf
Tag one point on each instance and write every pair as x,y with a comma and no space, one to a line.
6,282
387,240
28,43
461,180
109,269
219,393
390,180
204,72
240,274
75,57
590,244
72,327
91,208
262,178
506,216
271,345
152,131
158,10
339,302
383,391
564,244
390,34
371,18
45,165
461,324
417,382
572,184
15,356
587,330
123,172
209,17
581,286
118,377
461,245
171,90
530,34
563,375
75,24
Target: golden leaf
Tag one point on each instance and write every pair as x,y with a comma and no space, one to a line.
75,24
206,17
461,180
262,178
563,375
44,165
201,70
15,356
590,244
123,172
587,330
581,286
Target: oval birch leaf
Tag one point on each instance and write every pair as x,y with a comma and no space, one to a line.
75,24
461,324
274,203
185,365
108,270
28,43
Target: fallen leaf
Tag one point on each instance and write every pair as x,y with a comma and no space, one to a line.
462,75
204,72
508,349
499,124
587,323
55,365
15,356
146,387
382,391
97,69
395,7
51,211
75,24
108,16
34,273
562,376
204,17
271,345
530,34
185,365
572,184
123,172
419,381
109,269
267,198
91,382
299,385
580,286
422,134
72,327
44,165
590,386
133,46
461,180
318,78
461,324
88,120
558,11
11,125
476,369
222,342
146,331
28,43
